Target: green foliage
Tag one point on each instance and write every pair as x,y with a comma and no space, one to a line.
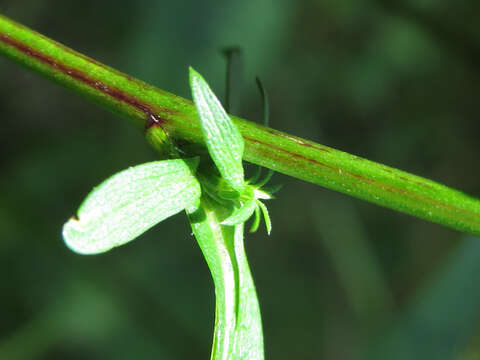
218,223
238,327
224,141
279,151
386,94
225,145
132,201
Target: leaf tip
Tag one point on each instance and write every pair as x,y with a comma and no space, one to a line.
193,75
78,237
72,237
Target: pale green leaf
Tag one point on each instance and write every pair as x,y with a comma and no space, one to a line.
249,332
241,214
238,331
223,140
266,216
256,220
131,202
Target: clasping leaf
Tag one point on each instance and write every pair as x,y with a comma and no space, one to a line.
223,140
131,202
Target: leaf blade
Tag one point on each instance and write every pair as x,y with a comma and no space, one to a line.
224,141
238,330
131,202
241,214
266,216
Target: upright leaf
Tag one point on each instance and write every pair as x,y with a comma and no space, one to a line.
217,245
248,332
241,214
238,326
224,141
131,202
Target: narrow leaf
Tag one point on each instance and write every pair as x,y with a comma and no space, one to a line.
241,214
256,220
217,244
238,328
131,202
266,216
223,140
249,333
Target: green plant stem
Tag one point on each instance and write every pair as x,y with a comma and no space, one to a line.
238,327
147,106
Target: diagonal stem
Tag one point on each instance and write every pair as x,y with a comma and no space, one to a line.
148,106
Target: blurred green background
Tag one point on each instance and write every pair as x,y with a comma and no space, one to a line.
393,81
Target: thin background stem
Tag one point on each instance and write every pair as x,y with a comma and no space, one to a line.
148,106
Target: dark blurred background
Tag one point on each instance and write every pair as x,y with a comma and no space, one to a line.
393,81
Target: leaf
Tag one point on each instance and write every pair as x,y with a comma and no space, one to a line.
131,202
241,214
223,140
249,333
238,331
256,220
266,216
217,245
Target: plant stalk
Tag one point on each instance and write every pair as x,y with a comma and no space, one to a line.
146,106
238,326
